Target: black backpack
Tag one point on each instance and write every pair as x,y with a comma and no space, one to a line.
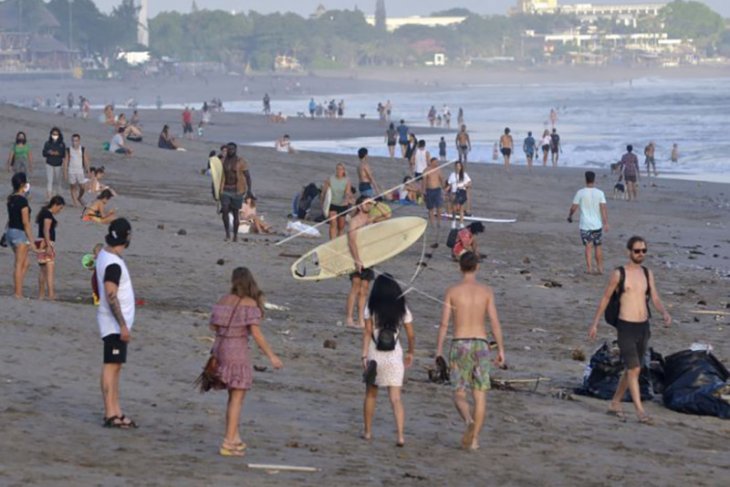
451,239
387,339
613,308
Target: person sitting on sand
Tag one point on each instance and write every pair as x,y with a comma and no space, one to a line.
408,192
236,317
166,139
117,145
96,211
283,144
277,118
248,215
130,131
94,184
385,313
109,118
466,240
470,303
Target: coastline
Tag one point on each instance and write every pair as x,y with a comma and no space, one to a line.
310,413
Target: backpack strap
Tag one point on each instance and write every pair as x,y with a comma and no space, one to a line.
648,282
621,280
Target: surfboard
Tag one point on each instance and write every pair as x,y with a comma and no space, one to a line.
295,205
376,243
448,216
216,175
326,203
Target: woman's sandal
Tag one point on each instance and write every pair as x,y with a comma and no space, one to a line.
618,414
120,422
646,419
232,449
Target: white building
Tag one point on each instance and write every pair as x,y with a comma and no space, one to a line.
587,12
393,23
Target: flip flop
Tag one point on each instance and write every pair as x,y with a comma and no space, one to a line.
128,423
646,419
118,422
617,414
226,451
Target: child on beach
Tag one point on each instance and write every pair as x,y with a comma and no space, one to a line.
234,318
89,263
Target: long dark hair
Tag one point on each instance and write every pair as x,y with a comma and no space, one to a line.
387,303
17,137
244,285
461,170
55,201
60,134
18,181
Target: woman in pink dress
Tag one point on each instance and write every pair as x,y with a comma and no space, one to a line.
235,317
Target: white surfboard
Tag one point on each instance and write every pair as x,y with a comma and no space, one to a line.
216,176
326,203
448,216
376,243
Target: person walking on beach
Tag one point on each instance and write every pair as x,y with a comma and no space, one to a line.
630,172
591,202
115,316
187,123
555,147
506,145
54,151
20,158
650,162
675,153
391,139
459,183
366,184
19,234
267,104
463,143
341,196
312,108
75,168
433,181
529,147
460,117
362,277
545,145
382,355
636,287
419,159
470,303
234,318
442,149
236,182
411,149
46,246
403,131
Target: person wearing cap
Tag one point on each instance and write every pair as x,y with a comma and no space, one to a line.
115,317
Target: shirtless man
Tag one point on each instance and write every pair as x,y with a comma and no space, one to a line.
633,323
463,144
506,144
649,152
433,182
236,182
471,302
366,185
361,278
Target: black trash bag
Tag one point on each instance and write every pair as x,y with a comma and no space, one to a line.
603,373
656,371
694,383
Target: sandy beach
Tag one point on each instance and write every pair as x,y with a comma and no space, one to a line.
309,414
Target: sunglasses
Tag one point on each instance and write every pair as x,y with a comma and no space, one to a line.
639,251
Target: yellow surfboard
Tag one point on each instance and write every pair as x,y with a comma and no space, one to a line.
376,243
216,174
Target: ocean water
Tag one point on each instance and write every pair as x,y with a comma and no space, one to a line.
595,121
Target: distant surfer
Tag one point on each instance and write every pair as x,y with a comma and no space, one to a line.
361,278
366,181
235,183
463,144
434,182
506,145
470,303
340,189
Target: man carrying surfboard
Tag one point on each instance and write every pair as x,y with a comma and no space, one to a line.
471,303
361,278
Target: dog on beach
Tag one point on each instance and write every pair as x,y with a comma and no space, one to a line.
619,191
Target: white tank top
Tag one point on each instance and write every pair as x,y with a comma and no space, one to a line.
421,162
107,323
75,161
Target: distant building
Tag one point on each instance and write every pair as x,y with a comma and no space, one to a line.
393,23
587,12
320,11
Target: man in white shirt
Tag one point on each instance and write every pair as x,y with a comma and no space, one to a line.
115,317
593,219
117,144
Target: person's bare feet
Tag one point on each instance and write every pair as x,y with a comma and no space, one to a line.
468,439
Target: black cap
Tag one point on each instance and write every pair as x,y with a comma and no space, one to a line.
119,232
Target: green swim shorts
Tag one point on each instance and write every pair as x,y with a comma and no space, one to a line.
469,362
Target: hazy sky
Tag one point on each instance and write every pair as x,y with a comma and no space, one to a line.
393,7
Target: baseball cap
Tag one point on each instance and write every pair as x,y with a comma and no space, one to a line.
119,232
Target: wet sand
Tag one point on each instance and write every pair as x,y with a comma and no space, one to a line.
310,413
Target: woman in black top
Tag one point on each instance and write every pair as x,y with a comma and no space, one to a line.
54,151
46,246
19,234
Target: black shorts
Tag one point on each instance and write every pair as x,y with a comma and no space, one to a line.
364,275
115,350
231,200
187,128
339,209
506,151
633,340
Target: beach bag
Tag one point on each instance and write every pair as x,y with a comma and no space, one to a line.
209,378
614,303
451,239
386,341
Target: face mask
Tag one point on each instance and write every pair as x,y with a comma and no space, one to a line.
54,137
20,141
